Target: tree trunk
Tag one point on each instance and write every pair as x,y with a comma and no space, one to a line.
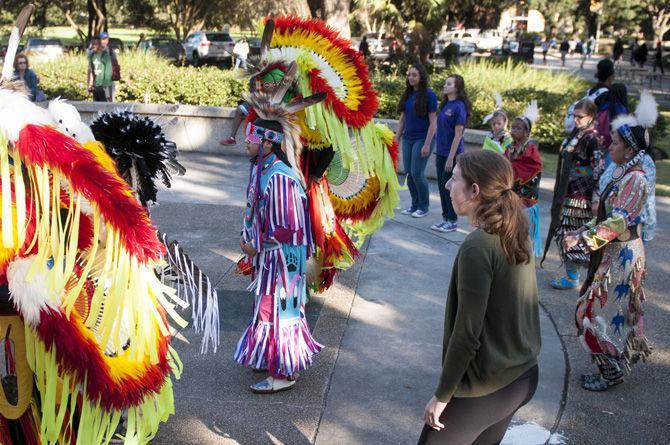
661,21
97,17
73,24
337,16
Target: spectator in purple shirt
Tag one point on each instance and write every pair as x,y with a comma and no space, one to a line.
451,121
416,129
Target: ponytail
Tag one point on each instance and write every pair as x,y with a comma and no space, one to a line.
499,210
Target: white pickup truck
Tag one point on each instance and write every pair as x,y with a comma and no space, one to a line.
489,39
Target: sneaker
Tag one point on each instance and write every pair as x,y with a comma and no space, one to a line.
419,214
439,227
408,211
272,385
450,226
564,283
230,141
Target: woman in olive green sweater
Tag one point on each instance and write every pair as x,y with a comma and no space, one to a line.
491,326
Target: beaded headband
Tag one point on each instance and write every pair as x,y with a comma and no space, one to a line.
257,135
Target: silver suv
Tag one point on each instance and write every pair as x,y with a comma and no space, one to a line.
202,46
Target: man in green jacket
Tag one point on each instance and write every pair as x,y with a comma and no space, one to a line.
100,81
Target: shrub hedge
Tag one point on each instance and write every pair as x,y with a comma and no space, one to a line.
147,78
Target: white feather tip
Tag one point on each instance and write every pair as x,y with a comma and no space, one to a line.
624,119
499,101
647,110
532,112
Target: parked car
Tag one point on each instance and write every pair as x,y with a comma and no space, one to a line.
202,46
468,35
39,49
489,39
463,39
380,48
166,47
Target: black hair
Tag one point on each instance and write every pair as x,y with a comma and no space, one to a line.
526,122
618,94
604,69
421,101
276,147
640,139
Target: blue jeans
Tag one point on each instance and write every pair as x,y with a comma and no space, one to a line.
448,212
415,168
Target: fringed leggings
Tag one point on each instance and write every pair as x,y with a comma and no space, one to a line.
482,420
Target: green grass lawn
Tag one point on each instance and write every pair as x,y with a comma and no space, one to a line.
69,36
663,178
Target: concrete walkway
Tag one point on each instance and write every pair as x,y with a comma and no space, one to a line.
381,325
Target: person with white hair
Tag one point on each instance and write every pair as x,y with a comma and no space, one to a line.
609,314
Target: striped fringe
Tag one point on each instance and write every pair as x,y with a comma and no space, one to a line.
284,354
188,279
576,214
252,346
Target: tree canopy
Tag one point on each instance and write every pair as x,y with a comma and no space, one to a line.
650,18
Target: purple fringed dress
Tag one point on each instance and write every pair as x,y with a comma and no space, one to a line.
276,223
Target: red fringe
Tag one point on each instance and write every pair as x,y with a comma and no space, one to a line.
393,151
334,244
362,214
46,146
5,436
31,433
367,107
80,355
369,103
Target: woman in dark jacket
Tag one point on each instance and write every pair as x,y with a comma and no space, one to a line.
23,72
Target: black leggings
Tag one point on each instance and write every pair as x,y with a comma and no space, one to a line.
482,420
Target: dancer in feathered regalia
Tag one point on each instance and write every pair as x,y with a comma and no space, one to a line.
349,161
88,316
277,239
580,163
610,311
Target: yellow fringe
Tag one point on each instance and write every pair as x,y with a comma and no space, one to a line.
125,304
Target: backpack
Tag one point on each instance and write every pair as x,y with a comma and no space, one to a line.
569,121
116,68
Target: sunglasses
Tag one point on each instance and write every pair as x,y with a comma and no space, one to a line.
257,135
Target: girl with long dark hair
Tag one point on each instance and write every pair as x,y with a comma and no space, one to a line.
451,121
491,326
416,129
